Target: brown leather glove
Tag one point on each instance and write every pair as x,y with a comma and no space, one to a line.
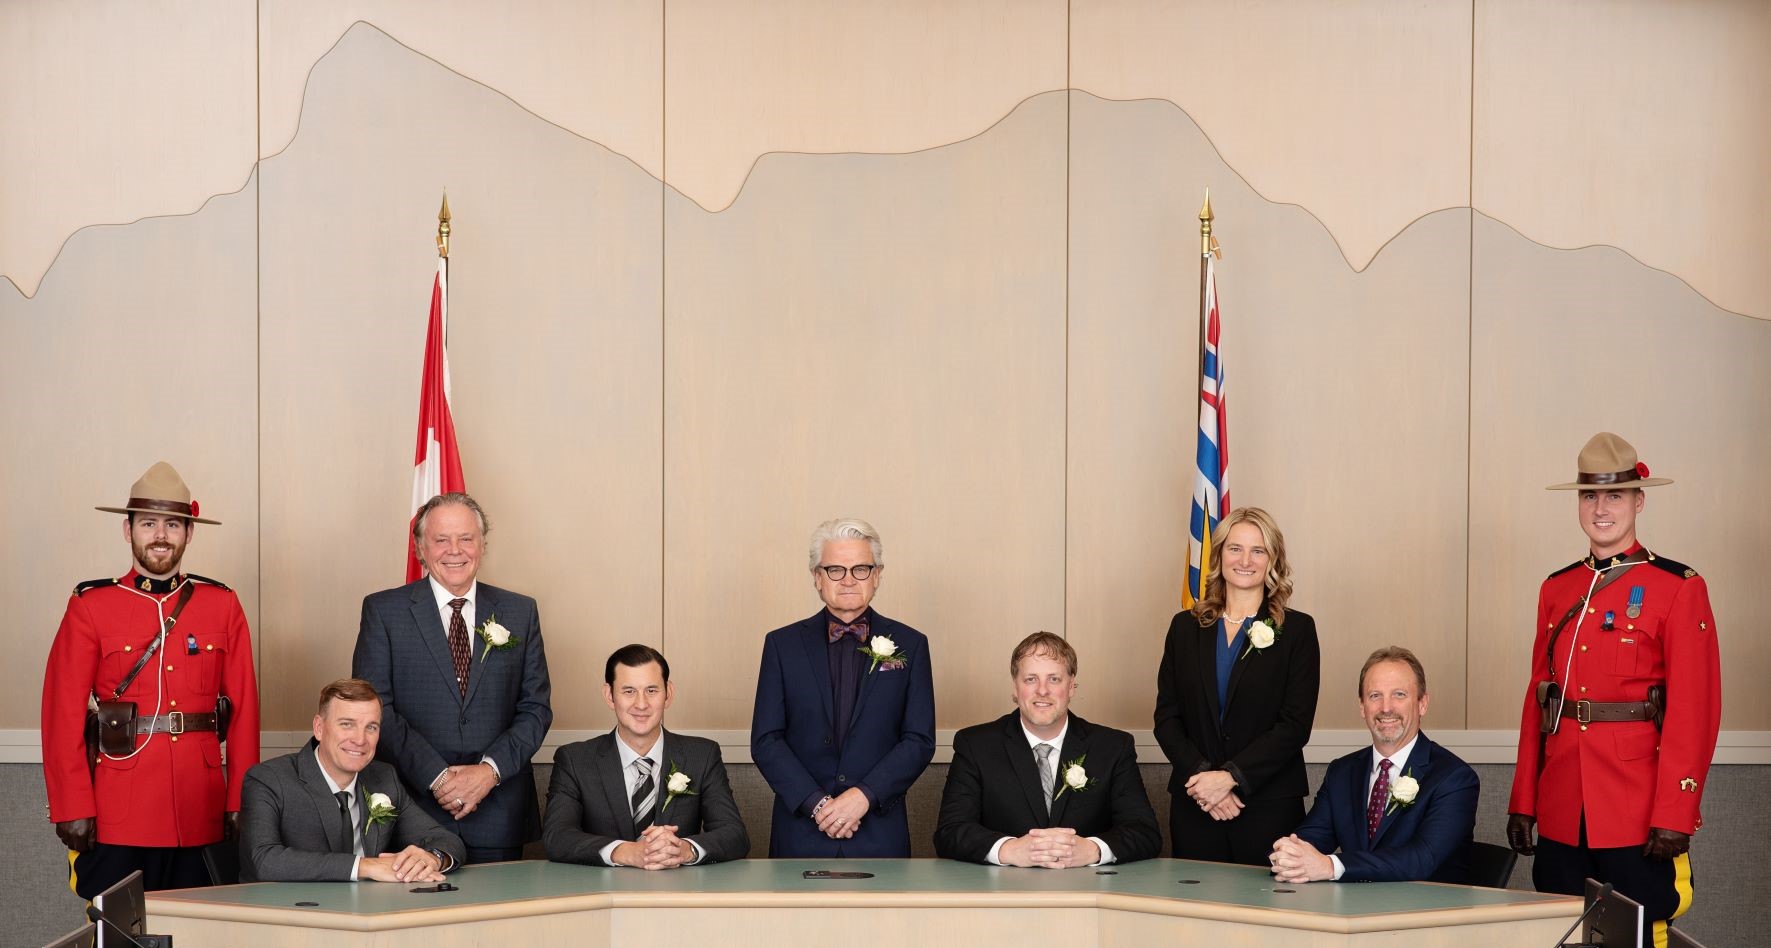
230,826
1519,828
1666,844
78,835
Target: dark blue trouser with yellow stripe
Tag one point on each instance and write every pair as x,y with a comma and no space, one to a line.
1662,886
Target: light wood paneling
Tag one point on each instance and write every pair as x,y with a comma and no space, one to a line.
554,344
1569,343
872,336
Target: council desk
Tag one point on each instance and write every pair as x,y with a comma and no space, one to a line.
768,902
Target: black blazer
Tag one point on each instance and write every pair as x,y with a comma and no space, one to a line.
588,806
993,791
1272,705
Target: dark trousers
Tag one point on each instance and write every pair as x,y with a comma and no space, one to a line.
1247,839
1662,886
479,854
162,867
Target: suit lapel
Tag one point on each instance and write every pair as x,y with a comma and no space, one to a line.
1075,745
1020,756
307,769
814,640
608,765
375,835
1418,764
867,677
1359,796
1207,644
485,607
429,622
1247,656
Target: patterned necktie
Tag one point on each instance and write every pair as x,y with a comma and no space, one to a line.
645,796
859,630
344,816
1047,776
458,645
1380,795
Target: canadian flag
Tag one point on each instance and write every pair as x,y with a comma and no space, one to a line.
437,467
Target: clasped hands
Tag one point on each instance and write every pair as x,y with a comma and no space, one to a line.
1295,860
1214,792
840,816
1055,848
411,864
657,848
461,788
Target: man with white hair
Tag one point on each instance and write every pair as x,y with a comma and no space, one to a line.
845,711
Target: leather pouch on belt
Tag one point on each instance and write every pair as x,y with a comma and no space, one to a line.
1549,695
116,727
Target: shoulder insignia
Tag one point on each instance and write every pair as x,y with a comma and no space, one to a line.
204,579
94,584
1566,568
1673,566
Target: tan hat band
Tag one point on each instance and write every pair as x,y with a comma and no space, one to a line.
1620,477
169,506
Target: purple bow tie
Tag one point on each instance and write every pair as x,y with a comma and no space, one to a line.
858,629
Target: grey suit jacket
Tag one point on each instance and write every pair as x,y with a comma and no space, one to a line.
426,724
290,830
588,805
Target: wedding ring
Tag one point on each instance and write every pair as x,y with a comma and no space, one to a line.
458,802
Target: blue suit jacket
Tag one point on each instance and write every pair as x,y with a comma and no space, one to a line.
1426,840
890,738
426,725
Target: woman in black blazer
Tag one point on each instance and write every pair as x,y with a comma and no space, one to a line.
1235,699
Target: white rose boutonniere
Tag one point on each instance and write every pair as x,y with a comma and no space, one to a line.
495,636
1403,790
675,785
1075,777
882,652
1261,635
381,809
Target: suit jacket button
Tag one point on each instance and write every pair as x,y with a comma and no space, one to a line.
842,778
827,740
464,719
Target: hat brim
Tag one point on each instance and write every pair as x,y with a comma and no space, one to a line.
1644,482
130,510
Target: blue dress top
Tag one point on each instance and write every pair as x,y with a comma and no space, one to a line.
1228,652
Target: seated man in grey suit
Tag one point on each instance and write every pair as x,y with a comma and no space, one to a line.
1040,786
641,796
330,813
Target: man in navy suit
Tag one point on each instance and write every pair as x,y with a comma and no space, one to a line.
463,683
1403,810
1040,786
845,711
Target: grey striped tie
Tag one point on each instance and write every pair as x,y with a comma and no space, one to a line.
1047,775
645,796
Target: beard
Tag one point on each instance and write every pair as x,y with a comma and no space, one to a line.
158,557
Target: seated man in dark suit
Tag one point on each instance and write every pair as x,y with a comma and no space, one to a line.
1402,810
331,813
641,796
1040,786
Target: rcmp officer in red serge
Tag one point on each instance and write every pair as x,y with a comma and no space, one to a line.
152,652
1620,720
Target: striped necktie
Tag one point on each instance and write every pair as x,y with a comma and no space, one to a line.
645,797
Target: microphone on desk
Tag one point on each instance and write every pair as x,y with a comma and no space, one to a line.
153,941
1598,900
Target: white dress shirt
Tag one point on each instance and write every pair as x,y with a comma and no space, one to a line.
1396,761
355,808
447,613
1033,740
660,774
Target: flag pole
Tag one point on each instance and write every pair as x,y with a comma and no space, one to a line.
443,227
1205,245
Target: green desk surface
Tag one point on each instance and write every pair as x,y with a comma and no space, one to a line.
894,880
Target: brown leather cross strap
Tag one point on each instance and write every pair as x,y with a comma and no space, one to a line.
1612,575
1608,711
147,653
177,722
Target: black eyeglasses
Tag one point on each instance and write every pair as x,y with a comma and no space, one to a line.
859,571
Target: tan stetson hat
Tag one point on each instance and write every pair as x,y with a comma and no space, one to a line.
160,491
1609,461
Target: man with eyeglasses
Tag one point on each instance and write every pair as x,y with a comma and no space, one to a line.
845,711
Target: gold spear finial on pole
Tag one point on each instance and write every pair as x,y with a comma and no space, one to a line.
1208,245
443,227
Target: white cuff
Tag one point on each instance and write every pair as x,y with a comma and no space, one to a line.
354,864
994,857
1106,851
607,853
496,774
700,853
1339,869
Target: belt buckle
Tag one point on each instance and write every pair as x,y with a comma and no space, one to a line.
177,719
1583,711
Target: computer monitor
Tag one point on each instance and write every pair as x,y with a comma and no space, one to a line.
1618,921
78,938
124,905
1678,939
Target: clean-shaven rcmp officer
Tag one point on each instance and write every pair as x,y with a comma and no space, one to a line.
1619,723
160,647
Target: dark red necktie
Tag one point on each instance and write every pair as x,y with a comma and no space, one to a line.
458,648
858,630
1380,795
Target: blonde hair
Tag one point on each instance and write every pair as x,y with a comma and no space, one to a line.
1210,606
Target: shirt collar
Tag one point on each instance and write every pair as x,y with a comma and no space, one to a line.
352,786
444,596
1397,759
1034,740
629,755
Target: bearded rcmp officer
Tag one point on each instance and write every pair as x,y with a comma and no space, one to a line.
1620,721
159,647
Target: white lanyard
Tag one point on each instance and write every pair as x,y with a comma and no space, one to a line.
159,646
1568,666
